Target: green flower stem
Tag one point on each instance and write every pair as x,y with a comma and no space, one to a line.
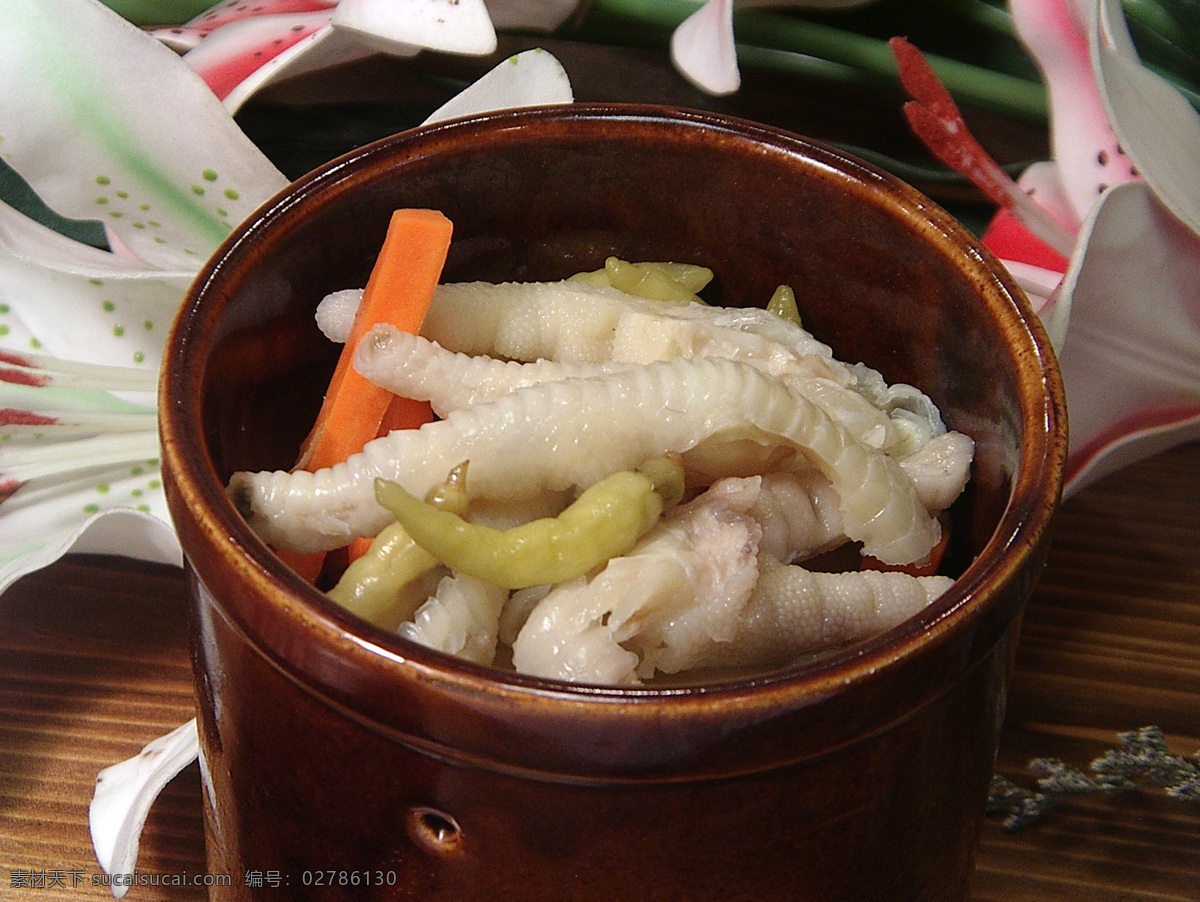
972,85
1166,44
787,62
158,12
988,15
1154,17
1178,83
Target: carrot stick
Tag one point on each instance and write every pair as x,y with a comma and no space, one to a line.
398,292
355,410
358,548
404,413
924,568
307,565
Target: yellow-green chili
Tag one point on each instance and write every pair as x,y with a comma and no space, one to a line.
605,521
674,282
372,586
783,303
648,280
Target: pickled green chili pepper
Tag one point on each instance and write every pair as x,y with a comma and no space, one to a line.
372,586
674,282
605,521
783,303
451,495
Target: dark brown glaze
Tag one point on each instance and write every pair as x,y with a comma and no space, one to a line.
330,745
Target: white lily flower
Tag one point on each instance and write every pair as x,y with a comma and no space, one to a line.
1105,238
1131,359
77,322
703,50
82,329
132,786
239,48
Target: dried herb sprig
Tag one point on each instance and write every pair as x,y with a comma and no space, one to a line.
1141,760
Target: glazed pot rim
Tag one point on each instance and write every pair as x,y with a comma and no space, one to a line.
1020,532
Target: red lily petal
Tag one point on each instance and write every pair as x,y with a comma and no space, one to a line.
10,416
1009,239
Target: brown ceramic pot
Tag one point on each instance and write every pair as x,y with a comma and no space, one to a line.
341,762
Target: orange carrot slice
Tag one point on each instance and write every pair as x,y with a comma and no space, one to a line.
355,410
309,566
398,292
404,413
924,568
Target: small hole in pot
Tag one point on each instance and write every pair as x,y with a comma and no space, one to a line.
435,831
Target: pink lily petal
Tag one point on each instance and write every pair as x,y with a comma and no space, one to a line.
1083,144
1007,236
244,57
231,54
703,51
1043,182
322,49
1131,361
1157,126
185,37
1037,267
222,14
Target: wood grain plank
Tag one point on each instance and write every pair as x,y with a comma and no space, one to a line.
1110,642
93,665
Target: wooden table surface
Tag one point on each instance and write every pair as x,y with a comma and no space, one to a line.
94,664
